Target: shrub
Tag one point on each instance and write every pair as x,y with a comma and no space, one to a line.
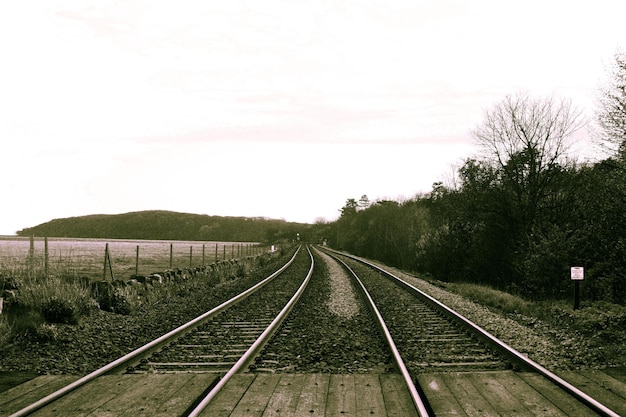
57,300
8,283
485,295
5,330
46,332
60,311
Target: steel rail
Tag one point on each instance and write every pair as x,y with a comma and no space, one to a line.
418,401
248,357
150,347
584,398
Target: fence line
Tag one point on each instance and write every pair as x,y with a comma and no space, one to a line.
122,258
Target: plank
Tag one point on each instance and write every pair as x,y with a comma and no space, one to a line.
227,399
312,399
178,403
29,392
469,398
10,379
439,396
500,398
618,373
595,390
609,382
370,400
90,396
255,400
341,399
565,402
168,390
533,400
396,395
284,399
138,395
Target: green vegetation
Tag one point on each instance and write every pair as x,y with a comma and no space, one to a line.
167,225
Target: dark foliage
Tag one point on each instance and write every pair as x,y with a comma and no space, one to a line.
169,225
59,311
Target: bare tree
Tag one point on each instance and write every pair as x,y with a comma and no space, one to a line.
540,129
611,108
526,141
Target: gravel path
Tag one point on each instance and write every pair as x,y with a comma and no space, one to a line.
342,301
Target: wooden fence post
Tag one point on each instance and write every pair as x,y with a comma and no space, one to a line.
190,255
106,257
137,261
31,257
110,266
45,249
171,253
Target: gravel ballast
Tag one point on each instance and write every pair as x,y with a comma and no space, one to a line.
329,331
552,347
102,336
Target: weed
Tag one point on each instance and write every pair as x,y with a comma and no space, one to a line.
58,300
6,330
489,297
46,332
59,311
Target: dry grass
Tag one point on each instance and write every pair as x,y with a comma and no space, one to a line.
86,257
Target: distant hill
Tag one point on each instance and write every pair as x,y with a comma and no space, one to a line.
168,225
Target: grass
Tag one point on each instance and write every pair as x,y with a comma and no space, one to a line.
6,330
85,257
38,304
500,300
600,322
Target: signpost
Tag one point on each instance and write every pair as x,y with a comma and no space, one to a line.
577,275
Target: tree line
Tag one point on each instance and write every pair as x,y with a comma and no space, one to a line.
168,225
520,216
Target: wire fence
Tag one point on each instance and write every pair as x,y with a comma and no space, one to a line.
112,259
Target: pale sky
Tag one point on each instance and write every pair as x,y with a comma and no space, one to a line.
273,108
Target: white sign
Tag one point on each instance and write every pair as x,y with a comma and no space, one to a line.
578,273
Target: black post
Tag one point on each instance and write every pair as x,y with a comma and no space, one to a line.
137,261
576,294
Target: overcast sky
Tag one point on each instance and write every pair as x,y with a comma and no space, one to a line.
272,108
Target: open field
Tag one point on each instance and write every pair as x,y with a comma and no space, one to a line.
71,257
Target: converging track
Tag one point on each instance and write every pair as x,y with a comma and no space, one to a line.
228,361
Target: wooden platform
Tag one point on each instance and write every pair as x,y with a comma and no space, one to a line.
115,395
245,395
521,394
312,395
451,394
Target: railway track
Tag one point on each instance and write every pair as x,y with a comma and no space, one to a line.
420,335
217,344
432,337
169,353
